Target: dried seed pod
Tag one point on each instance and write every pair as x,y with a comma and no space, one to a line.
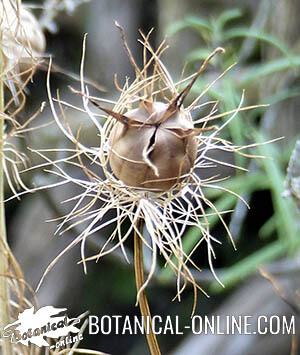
153,146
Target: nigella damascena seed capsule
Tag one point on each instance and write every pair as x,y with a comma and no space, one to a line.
153,146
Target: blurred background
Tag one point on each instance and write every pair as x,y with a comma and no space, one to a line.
262,37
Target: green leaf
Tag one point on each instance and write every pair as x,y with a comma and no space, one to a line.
271,67
268,228
175,27
284,209
236,126
282,95
196,23
241,184
198,54
246,32
248,265
227,16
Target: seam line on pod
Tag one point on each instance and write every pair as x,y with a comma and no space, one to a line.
146,152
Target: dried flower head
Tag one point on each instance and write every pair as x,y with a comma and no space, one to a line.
22,45
146,165
22,41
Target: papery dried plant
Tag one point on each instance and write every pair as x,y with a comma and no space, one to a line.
146,167
21,47
22,43
168,204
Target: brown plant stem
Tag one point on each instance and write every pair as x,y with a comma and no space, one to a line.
4,249
142,300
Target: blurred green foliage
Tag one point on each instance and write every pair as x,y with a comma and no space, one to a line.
279,234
